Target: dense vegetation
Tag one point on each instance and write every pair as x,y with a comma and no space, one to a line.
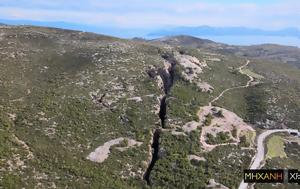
256,100
221,137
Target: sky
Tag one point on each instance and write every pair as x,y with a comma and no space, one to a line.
263,14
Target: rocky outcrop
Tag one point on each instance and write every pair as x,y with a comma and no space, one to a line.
193,67
205,87
102,152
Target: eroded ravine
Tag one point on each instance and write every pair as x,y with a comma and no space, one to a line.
155,150
167,76
163,111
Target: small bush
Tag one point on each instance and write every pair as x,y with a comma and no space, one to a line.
208,119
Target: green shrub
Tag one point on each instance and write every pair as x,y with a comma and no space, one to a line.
208,119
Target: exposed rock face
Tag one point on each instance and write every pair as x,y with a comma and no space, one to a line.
205,87
136,99
225,122
192,66
102,152
190,126
130,143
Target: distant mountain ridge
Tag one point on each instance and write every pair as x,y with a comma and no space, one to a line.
227,35
274,52
225,31
185,40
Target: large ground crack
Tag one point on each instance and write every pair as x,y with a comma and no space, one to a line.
163,111
167,76
155,151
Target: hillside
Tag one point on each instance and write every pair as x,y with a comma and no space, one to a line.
188,41
278,53
82,110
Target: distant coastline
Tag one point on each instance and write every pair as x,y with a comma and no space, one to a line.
246,40
255,40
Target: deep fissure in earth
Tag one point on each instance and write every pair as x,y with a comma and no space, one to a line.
167,77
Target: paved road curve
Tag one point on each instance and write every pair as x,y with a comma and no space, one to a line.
260,153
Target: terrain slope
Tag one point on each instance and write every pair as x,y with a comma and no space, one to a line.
82,110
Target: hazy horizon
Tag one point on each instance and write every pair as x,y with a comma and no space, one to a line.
143,33
138,18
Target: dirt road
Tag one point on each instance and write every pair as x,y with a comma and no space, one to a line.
238,87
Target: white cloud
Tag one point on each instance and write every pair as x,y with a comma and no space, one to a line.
141,13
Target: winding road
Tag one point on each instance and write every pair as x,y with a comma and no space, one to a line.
251,79
260,152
